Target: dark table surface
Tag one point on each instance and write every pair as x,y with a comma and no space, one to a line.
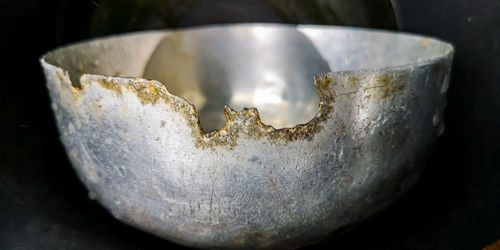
456,204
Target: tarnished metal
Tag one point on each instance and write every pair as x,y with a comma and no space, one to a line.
280,173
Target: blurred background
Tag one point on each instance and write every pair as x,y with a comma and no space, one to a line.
456,204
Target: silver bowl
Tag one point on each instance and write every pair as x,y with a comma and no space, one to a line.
243,150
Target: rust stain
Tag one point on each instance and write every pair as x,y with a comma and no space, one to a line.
246,123
60,77
115,86
273,184
385,86
353,81
65,83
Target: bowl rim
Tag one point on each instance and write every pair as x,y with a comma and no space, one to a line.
448,48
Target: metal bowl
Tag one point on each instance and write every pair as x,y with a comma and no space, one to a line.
275,161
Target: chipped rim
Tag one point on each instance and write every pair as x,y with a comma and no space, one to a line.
299,131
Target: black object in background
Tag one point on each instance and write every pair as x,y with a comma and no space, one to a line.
455,205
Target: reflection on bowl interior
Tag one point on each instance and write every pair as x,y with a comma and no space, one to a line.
256,66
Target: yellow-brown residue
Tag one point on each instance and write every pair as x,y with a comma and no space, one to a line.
384,86
65,83
246,123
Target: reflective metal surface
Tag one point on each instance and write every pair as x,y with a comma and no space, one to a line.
246,67
298,168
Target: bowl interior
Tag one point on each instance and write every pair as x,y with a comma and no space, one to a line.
269,67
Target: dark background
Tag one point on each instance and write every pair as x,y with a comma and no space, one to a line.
456,204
